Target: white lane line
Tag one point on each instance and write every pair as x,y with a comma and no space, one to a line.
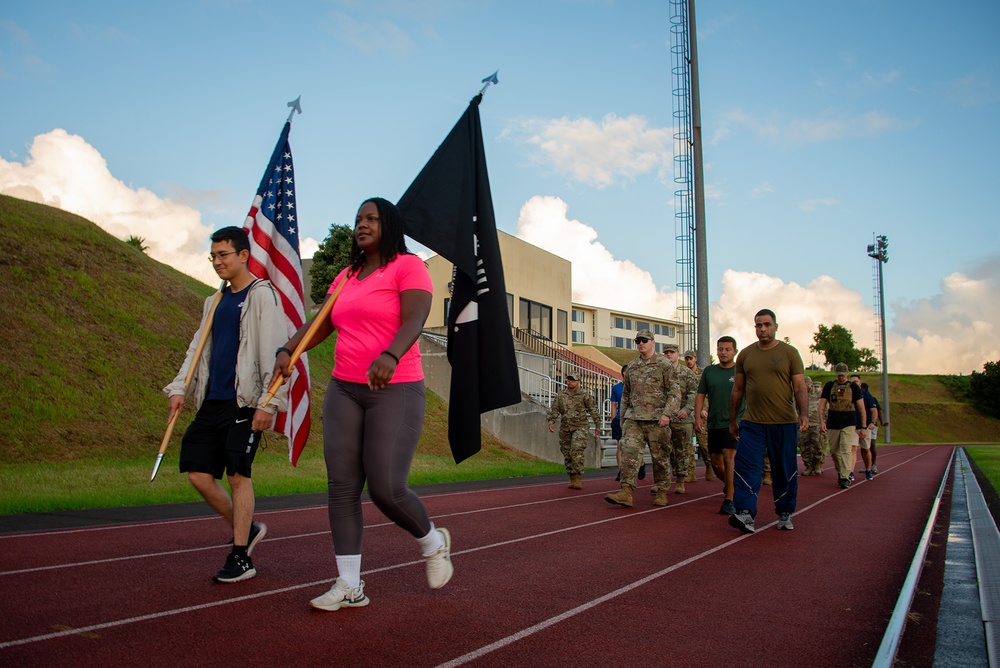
149,555
552,621
497,645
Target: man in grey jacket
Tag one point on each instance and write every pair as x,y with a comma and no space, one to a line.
229,385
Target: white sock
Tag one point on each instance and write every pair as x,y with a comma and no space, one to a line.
349,567
431,543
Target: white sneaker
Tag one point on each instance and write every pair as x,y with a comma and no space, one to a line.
439,568
341,595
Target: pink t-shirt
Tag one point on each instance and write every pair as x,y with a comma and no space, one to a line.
366,317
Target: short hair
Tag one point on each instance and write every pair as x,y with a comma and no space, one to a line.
766,311
624,366
727,339
391,242
864,386
237,236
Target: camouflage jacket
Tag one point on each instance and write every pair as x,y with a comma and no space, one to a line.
814,394
689,390
574,407
651,389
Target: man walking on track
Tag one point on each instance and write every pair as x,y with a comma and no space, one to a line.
841,410
700,437
716,385
574,405
650,395
771,376
231,381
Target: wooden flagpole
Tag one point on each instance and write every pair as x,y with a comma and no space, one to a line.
190,376
307,338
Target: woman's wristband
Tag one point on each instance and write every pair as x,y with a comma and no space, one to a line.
282,349
386,352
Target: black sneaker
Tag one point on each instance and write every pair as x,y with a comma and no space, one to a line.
257,532
850,476
728,508
844,483
618,478
238,567
642,471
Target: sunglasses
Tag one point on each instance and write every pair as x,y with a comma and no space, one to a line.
642,339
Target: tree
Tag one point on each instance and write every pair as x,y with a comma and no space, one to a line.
137,242
329,260
985,389
837,345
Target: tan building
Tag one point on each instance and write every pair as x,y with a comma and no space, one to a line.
539,289
539,298
598,326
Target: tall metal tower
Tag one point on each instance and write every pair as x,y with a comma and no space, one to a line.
689,195
879,253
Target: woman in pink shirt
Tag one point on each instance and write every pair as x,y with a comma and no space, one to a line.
374,406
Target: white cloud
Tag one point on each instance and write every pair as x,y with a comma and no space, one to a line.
308,247
65,171
811,204
597,275
956,331
763,189
795,132
599,154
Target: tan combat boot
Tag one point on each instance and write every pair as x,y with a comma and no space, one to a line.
661,498
691,477
622,498
679,487
574,482
709,473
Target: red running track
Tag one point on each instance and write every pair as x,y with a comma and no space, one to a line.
544,576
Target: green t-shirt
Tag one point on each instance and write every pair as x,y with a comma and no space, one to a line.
770,398
717,385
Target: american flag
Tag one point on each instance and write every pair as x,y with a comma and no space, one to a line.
274,255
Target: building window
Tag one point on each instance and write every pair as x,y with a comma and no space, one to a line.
578,337
510,308
669,331
622,342
562,327
642,325
656,329
447,307
536,317
579,316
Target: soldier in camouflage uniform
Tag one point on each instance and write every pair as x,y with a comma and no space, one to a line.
574,405
691,360
681,426
812,442
650,396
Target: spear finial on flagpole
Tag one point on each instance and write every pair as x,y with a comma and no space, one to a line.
294,104
491,79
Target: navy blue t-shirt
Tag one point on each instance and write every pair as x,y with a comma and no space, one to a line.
225,345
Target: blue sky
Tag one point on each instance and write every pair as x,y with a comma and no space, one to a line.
823,124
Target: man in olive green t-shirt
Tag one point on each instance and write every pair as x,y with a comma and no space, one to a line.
771,376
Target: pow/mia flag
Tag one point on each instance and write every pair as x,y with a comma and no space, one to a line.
449,209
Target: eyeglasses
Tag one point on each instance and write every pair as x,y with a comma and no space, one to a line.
642,339
222,255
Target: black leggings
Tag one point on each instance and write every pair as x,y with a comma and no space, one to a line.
371,434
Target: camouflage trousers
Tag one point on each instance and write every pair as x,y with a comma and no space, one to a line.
573,445
681,458
635,435
812,445
702,438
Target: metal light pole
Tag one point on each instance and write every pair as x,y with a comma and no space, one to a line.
879,251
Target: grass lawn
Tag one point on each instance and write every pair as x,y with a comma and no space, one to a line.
987,458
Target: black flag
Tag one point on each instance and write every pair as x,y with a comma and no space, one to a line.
449,209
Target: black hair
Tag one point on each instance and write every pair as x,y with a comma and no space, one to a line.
235,235
728,339
391,241
864,386
766,311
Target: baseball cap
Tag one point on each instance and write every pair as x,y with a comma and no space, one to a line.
644,333
690,353
670,347
841,368
572,376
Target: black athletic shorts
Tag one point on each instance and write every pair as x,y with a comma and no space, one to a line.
616,429
719,440
220,439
